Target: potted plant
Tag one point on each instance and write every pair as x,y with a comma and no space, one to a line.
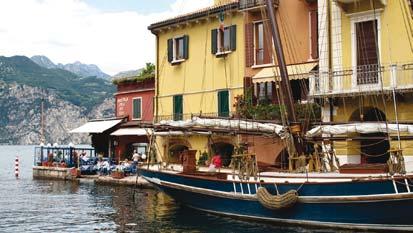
118,173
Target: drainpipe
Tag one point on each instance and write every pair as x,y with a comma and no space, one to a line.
157,80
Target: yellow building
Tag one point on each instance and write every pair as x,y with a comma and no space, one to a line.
200,70
366,72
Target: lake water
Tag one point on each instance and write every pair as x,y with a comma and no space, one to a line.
28,205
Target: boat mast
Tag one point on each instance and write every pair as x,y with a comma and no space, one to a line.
296,140
285,81
42,123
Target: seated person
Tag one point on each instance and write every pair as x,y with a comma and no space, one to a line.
216,162
62,163
126,166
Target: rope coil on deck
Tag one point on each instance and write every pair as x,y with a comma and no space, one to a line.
276,202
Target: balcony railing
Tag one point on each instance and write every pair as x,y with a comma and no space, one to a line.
188,116
248,4
363,80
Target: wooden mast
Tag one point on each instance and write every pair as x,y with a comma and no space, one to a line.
296,140
285,81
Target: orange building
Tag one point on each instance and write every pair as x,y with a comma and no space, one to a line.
298,26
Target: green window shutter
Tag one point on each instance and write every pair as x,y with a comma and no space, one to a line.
137,105
214,45
233,37
170,50
186,47
178,107
223,103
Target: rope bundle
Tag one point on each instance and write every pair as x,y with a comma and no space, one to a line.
276,202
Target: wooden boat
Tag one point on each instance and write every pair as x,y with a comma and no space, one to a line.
368,201
376,200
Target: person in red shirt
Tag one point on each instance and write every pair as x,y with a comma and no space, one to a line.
216,162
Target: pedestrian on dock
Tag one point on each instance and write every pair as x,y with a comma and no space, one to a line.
135,157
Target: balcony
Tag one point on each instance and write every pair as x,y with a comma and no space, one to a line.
253,4
362,80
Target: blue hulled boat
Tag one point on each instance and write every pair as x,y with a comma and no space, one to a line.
357,201
380,200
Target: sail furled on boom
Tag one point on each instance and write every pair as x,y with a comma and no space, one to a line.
365,128
226,124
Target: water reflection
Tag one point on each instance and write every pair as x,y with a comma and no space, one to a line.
28,205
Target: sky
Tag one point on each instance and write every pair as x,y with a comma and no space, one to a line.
109,33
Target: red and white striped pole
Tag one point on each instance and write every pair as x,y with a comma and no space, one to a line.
16,167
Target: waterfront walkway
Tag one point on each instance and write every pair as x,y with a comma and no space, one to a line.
40,172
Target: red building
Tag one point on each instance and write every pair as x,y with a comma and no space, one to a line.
134,103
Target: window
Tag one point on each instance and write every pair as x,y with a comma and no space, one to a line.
141,148
262,45
137,108
265,92
259,43
178,49
314,34
223,40
178,107
367,52
223,103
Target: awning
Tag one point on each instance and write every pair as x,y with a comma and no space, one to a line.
295,72
96,126
132,132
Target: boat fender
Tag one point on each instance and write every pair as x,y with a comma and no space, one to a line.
276,202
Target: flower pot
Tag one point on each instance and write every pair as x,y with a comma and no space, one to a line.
118,175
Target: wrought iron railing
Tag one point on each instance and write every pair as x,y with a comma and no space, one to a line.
188,116
363,79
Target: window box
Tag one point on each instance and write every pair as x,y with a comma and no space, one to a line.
118,175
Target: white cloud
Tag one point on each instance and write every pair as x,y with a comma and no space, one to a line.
71,30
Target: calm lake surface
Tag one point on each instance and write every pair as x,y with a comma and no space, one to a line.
28,205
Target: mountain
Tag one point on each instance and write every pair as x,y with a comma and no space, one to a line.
84,70
78,68
44,62
85,92
69,101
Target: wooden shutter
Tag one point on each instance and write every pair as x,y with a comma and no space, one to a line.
367,52
214,40
223,103
137,105
186,47
177,107
233,37
314,34
267,43
248,85
249,44
170,50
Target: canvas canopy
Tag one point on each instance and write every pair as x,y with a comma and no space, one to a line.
132,132
96,126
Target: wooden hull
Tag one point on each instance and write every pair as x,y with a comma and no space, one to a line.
362,205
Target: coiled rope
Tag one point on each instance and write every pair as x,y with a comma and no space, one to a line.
276,202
